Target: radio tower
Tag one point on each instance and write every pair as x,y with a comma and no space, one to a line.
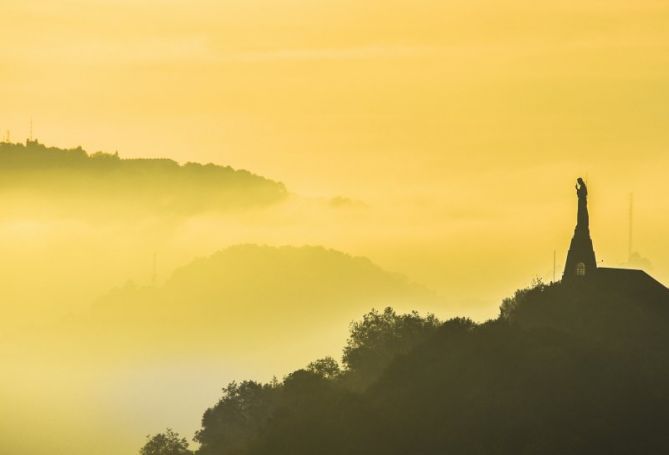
630,226
154,271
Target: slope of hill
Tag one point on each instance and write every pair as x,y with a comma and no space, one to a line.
252,295
565,369
61,180
576,368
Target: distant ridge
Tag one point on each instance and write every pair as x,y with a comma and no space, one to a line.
74,179
294,286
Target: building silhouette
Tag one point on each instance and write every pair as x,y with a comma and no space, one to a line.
581,257
581,265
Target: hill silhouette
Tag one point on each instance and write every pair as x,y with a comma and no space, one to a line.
250,295
565,368
59,181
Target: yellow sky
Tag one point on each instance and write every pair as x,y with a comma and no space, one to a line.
343,96
457,118
460,124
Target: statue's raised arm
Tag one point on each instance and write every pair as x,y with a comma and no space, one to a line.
583,221
581,189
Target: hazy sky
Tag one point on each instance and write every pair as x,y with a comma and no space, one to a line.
458,117
346,96
461,125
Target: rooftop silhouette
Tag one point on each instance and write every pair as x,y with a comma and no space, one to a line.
581,264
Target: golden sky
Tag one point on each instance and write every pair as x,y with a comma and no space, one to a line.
461,126
486,101
344,96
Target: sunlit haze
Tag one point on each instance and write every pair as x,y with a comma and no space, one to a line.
414,140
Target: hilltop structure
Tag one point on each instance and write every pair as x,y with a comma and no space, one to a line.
581,262
581,257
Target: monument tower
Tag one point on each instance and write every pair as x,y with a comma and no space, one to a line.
581,257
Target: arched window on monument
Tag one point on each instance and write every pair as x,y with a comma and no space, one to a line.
580,269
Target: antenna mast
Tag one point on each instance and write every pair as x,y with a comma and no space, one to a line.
630,227
154,272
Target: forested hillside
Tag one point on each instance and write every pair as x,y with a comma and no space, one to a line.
563,369
67,180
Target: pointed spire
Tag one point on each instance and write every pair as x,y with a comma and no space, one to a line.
581,257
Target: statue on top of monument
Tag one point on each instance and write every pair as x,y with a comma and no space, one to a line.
581,256
583,220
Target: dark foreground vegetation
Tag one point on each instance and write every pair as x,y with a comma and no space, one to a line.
69,179
579,368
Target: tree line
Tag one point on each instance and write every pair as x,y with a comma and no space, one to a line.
563,369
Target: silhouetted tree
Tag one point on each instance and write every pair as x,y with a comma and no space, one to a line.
378,338
237,419
167,443
327,368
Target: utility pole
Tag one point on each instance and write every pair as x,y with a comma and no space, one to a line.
554,253
154,273
630,227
